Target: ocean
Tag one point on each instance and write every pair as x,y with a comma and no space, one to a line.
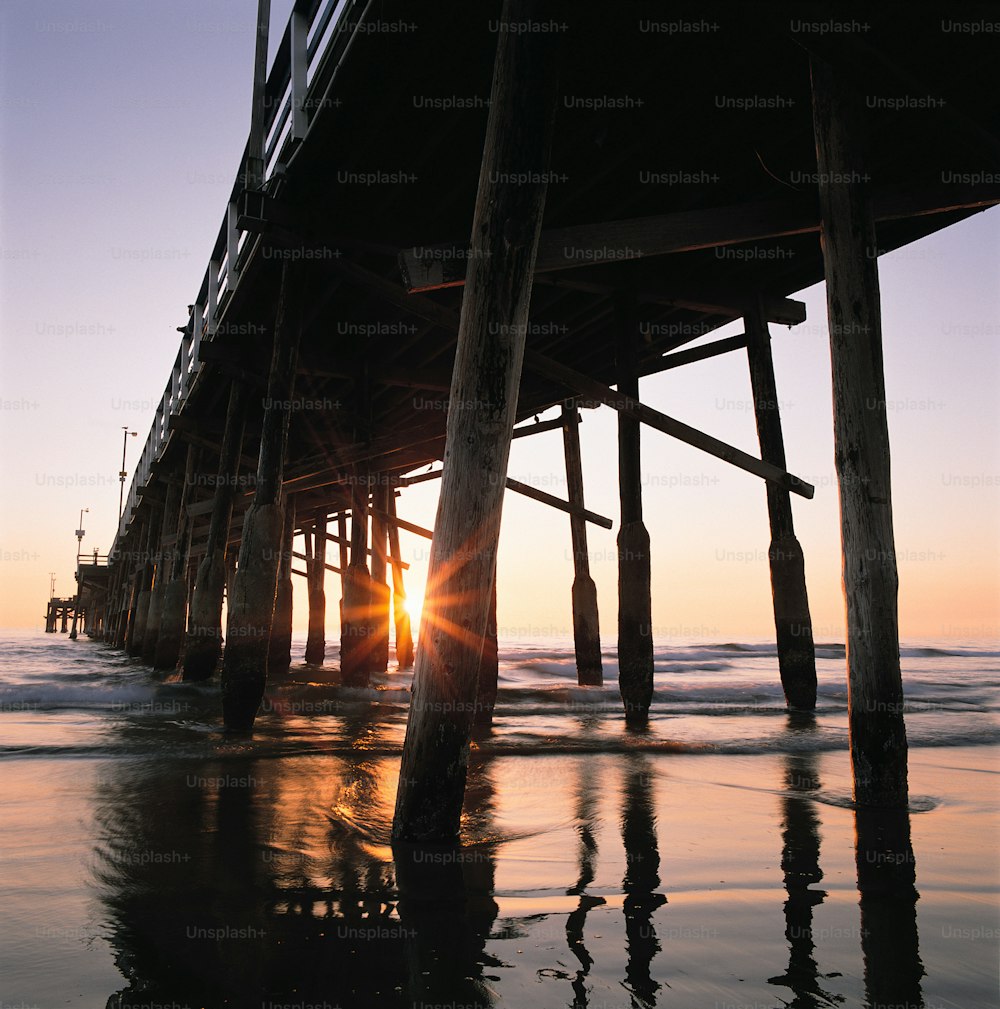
714,859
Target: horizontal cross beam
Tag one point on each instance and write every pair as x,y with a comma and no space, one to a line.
432,267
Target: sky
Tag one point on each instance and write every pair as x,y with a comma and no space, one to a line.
121,126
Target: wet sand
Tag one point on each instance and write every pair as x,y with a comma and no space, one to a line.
602,880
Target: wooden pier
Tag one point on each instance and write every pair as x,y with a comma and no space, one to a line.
438,231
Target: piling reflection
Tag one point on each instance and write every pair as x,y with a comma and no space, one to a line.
641,881
800,865
586,828
243,880
888,903
446,906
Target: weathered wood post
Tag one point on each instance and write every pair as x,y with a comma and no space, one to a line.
489,665
173,615
279,648
135,618
485,381
586,624
77,602
161,574
345,560
203,646
635,616
861,444
316,569
123,599
110,609
251,604
792,622
356,624
380,589
132,628
401,616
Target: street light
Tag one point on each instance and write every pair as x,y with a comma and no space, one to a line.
80,533
122,474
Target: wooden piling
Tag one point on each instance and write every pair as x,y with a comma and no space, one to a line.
635,618
485,381
315,538
488,678
792,622
161,573
401,616
861,444
251,604
128,560
77,604
586,623
356,630
173,616
203,646
133,627
380,589
279,647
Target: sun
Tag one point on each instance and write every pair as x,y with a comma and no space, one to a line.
413,605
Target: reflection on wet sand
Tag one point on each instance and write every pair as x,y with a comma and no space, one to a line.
800,854
446,906
886,875
248,880
586,827
642,878
888,901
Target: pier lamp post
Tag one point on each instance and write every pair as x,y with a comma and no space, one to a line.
80,533
122,473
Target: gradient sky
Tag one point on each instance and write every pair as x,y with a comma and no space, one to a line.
121,125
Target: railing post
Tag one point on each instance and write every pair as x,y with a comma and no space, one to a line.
213,295
187,342
299,68
232,247
196,333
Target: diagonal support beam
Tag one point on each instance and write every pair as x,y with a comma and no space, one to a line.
590,388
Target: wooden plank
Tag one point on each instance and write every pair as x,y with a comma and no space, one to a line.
528,491
591,389
553,502
437,380
430,268
783,311
703,353
410,527
539,427
263,214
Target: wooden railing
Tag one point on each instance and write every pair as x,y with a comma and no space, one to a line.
315,42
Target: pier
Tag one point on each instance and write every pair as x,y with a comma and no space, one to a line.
439,231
